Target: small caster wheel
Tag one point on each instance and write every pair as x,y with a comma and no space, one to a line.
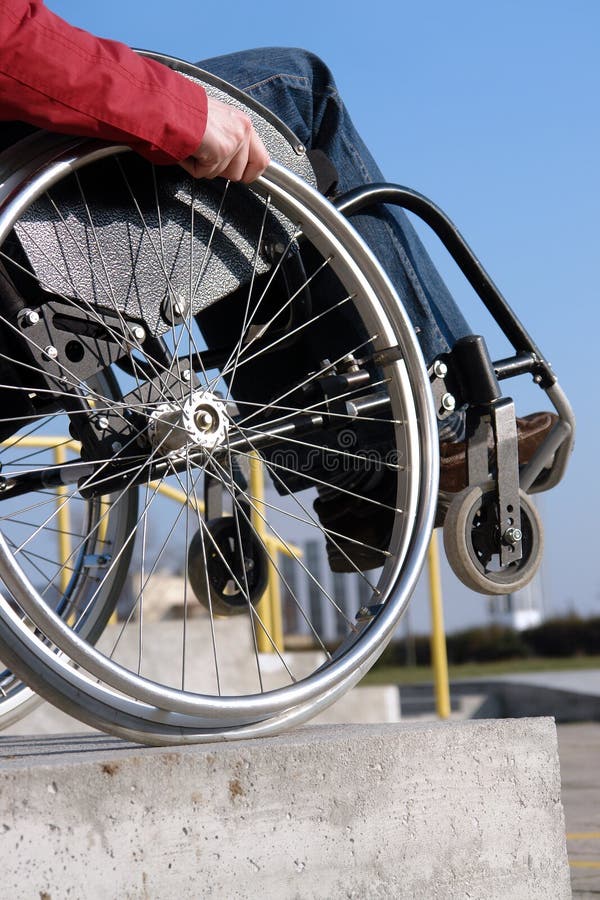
222,574
472,540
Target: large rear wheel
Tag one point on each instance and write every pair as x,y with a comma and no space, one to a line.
251,333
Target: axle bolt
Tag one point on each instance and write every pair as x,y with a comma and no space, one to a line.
448,402
176,305
204,420
513,535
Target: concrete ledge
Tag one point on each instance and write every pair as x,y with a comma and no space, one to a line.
466,809
570,696
566,696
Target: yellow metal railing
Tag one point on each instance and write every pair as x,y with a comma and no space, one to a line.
439,658
270,636
269,606
63,521
59,446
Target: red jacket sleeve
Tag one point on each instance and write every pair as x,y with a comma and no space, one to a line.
59,77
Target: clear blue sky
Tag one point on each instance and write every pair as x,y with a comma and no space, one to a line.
491,109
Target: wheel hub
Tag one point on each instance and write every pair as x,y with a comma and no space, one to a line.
199,422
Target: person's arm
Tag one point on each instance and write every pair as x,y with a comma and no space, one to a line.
59,77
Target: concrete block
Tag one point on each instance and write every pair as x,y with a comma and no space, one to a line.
565,696
464,809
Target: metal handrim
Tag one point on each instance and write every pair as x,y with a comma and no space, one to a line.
408,375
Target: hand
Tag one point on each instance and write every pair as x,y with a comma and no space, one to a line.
230,147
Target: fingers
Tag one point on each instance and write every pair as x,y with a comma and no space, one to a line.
249,162
235,168
231,148
258,159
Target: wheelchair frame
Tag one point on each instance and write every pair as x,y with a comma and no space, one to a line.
123,701
475,379
467,378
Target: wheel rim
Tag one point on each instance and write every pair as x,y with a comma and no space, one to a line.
471,539
416,492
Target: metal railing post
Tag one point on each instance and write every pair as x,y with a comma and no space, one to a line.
63,522
439,657
269,615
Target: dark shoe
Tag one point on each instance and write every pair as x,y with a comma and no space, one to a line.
360,528
531,431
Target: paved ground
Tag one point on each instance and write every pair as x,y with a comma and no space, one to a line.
579,751
584,681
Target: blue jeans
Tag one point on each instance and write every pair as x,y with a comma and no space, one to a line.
300,89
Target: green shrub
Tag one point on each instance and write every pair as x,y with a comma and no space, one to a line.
397,652
566,636
559,637
484,644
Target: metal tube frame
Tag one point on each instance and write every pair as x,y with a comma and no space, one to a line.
553,455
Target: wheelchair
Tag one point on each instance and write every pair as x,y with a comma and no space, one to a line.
161,339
